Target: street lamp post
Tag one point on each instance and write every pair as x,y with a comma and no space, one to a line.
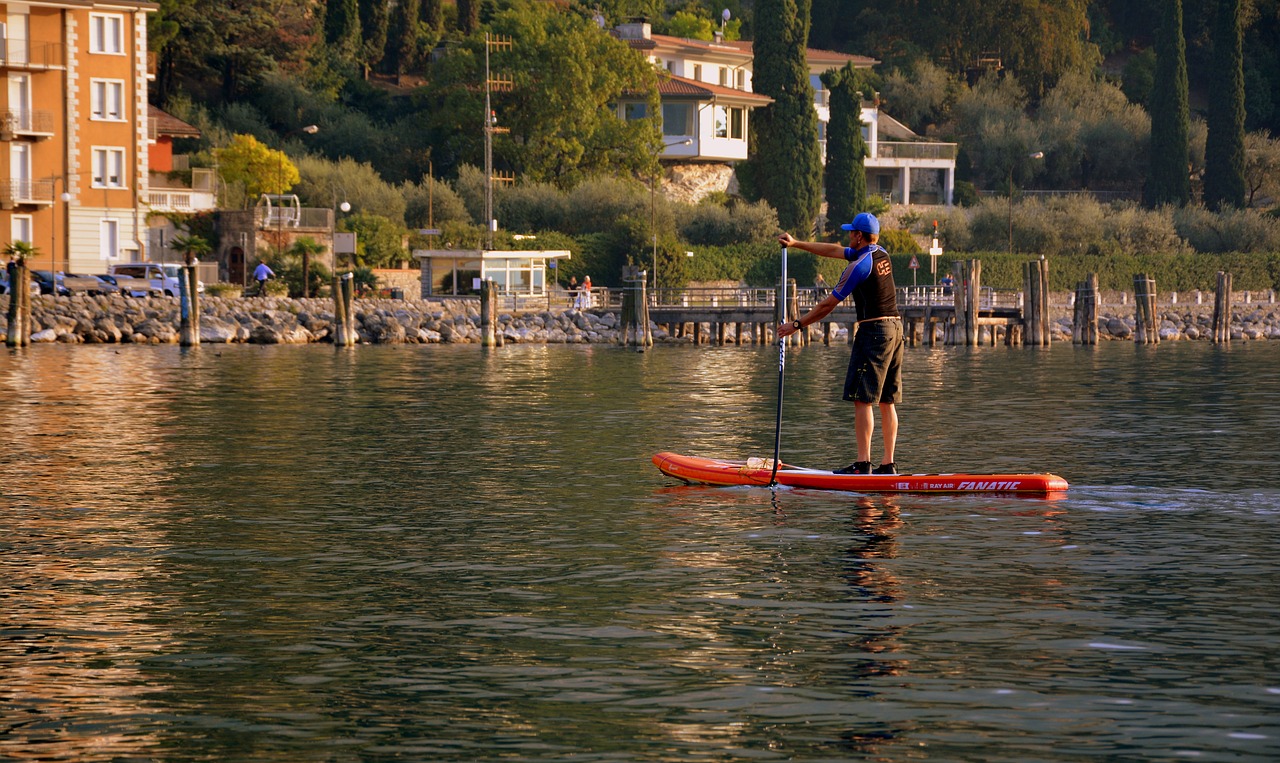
653,213
345,206
1032,155
53,223
306,257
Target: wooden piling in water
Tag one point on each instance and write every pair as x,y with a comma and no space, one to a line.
341,310
973,292
1222,310
635,311
188,307
1146,327
956,330
1084,319
1035,307
488,313
19,313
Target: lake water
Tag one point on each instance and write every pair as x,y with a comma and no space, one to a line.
444,553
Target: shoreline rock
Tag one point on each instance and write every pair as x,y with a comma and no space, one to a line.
281,320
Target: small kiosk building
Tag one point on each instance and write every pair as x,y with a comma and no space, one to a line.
455,272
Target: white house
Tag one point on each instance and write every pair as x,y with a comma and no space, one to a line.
707,99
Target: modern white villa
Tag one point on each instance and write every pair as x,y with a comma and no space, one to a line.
707,99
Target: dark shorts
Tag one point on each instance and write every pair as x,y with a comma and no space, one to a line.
875,367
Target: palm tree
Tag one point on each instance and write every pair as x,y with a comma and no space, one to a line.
305,247
20,251
191,247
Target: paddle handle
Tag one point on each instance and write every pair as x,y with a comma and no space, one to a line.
782,367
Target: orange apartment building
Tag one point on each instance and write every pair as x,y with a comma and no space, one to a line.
74,164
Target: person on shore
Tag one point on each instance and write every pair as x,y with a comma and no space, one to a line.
874,376
586,293
573,291
261,274
820,288
947,283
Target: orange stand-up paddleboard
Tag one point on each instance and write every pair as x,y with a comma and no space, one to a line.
758,471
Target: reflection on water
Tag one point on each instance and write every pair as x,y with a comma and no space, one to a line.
450,554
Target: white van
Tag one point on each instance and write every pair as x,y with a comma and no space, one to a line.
162,276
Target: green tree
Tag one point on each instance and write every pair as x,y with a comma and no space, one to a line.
374,19
191,247
309,279
1038,40
433,15
342,27
563,127
222,50
1224,184
402,44
21,251
256,168
1091,135
1262,167
1168,181
846,174
785,168
468,16
379,241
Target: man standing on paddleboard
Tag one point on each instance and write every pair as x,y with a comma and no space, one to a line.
875,367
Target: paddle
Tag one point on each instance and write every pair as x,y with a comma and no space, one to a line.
782,366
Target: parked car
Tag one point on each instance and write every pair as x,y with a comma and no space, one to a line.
130,286
162,276
50,282
4,283
86,284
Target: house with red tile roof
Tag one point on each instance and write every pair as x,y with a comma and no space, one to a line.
707,99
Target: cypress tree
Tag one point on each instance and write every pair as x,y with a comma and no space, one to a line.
342,27
1224,184
1167,179
374,17
433,14
845,176
786,166
402,42
468,16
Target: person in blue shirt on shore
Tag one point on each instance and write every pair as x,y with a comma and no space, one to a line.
875,366
261,274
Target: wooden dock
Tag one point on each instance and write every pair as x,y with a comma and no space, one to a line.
753,313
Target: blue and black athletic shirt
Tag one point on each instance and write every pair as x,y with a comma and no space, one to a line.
869,278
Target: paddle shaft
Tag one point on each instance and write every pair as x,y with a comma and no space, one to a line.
782,367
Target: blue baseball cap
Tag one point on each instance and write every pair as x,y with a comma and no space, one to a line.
864,222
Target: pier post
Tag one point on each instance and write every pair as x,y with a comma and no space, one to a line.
188,307
1035,308
1085,319
956,329
488,313
19,314
344,334
1146,328
973,294
1222,309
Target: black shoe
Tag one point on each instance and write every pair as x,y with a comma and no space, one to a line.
884,469
857,467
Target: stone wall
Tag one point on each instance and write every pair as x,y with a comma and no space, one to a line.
279,320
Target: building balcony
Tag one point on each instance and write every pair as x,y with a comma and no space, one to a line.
166,194
294,218
937,152
26,124
29,55
17,192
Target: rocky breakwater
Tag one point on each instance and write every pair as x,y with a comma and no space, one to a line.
272,320
1248,321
